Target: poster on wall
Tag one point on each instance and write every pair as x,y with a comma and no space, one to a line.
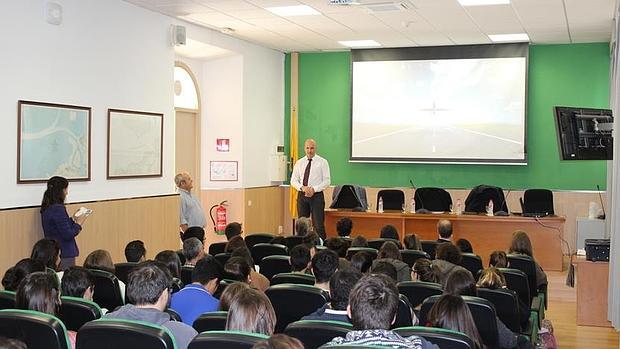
52,140
135,144
225,171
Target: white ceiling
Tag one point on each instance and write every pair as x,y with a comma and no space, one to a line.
422,23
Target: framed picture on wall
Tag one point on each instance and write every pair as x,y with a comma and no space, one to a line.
135,144
223,171
52,140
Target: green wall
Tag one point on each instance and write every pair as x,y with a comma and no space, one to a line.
569,75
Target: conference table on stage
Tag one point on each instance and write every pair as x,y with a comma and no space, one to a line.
486,233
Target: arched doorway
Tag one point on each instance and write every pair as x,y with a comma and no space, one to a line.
187,122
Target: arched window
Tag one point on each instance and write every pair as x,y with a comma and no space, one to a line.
185,94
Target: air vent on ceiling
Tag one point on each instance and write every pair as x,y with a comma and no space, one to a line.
388,6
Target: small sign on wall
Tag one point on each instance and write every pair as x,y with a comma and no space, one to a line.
225,171
222,145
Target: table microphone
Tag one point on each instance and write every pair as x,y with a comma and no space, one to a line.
501,212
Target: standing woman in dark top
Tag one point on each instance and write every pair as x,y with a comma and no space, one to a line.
56,222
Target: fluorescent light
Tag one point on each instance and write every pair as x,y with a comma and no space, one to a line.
296,10
483,2
509,37
359,43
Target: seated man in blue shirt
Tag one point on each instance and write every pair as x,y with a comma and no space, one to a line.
197,297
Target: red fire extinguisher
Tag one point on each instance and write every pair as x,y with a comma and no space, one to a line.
219,222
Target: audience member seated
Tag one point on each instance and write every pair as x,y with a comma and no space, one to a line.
344,226
361,261
194,232
464,246
78,282
324,265
493,279
193,250
300,260
251,311
234,243
452,313
233,229
171,260
14,275
237,269
339,246
340,285
446,262
303,226
461,283
389,232
40,291
359,241
47,251
522,245
135,252
279,341
257,280
385,268
231,291
412,242
423,270
373,303
101,260
197,297
390,253
444,229
498,259
147,297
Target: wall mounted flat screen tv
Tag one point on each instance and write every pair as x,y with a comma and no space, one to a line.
584,133
445,104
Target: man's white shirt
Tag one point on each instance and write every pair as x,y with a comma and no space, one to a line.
319,178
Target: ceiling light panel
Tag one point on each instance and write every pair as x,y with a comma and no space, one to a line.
292,11
520,37
359,43
483,2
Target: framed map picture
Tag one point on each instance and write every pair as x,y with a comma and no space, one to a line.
135,144
224,171
52,140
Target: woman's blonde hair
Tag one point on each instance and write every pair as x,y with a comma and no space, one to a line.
99,259
491,278
251,311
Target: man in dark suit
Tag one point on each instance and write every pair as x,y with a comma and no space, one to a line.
444,228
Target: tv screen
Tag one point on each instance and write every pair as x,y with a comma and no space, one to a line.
457,104
584,133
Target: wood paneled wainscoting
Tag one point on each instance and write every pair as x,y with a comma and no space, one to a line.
154,220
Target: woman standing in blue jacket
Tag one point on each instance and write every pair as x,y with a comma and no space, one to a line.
56,222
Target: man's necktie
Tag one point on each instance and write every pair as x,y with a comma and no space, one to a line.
307,173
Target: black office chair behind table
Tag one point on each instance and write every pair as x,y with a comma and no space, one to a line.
478,199
393,199
431,199
537,202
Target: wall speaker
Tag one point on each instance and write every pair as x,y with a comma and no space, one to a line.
178,35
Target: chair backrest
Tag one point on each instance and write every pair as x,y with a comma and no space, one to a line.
107,290
176,285
417,291
516,280
226,339
445,339
314,333
377,243
506,305
211,321
433,199
538,201
122,270
293,240
292,278
479,197
37,330
7,299
222,286
471,262
349,196
272,265
262,250
483,313
186,274
217,247
222,257
292,302
404,316
118,333
430,247
525,264
353,250
410,256
393,199
174,315
75,312
257,238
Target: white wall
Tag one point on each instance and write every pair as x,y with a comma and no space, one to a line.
105,54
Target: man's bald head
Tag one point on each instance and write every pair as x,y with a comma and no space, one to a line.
310,148
444,228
